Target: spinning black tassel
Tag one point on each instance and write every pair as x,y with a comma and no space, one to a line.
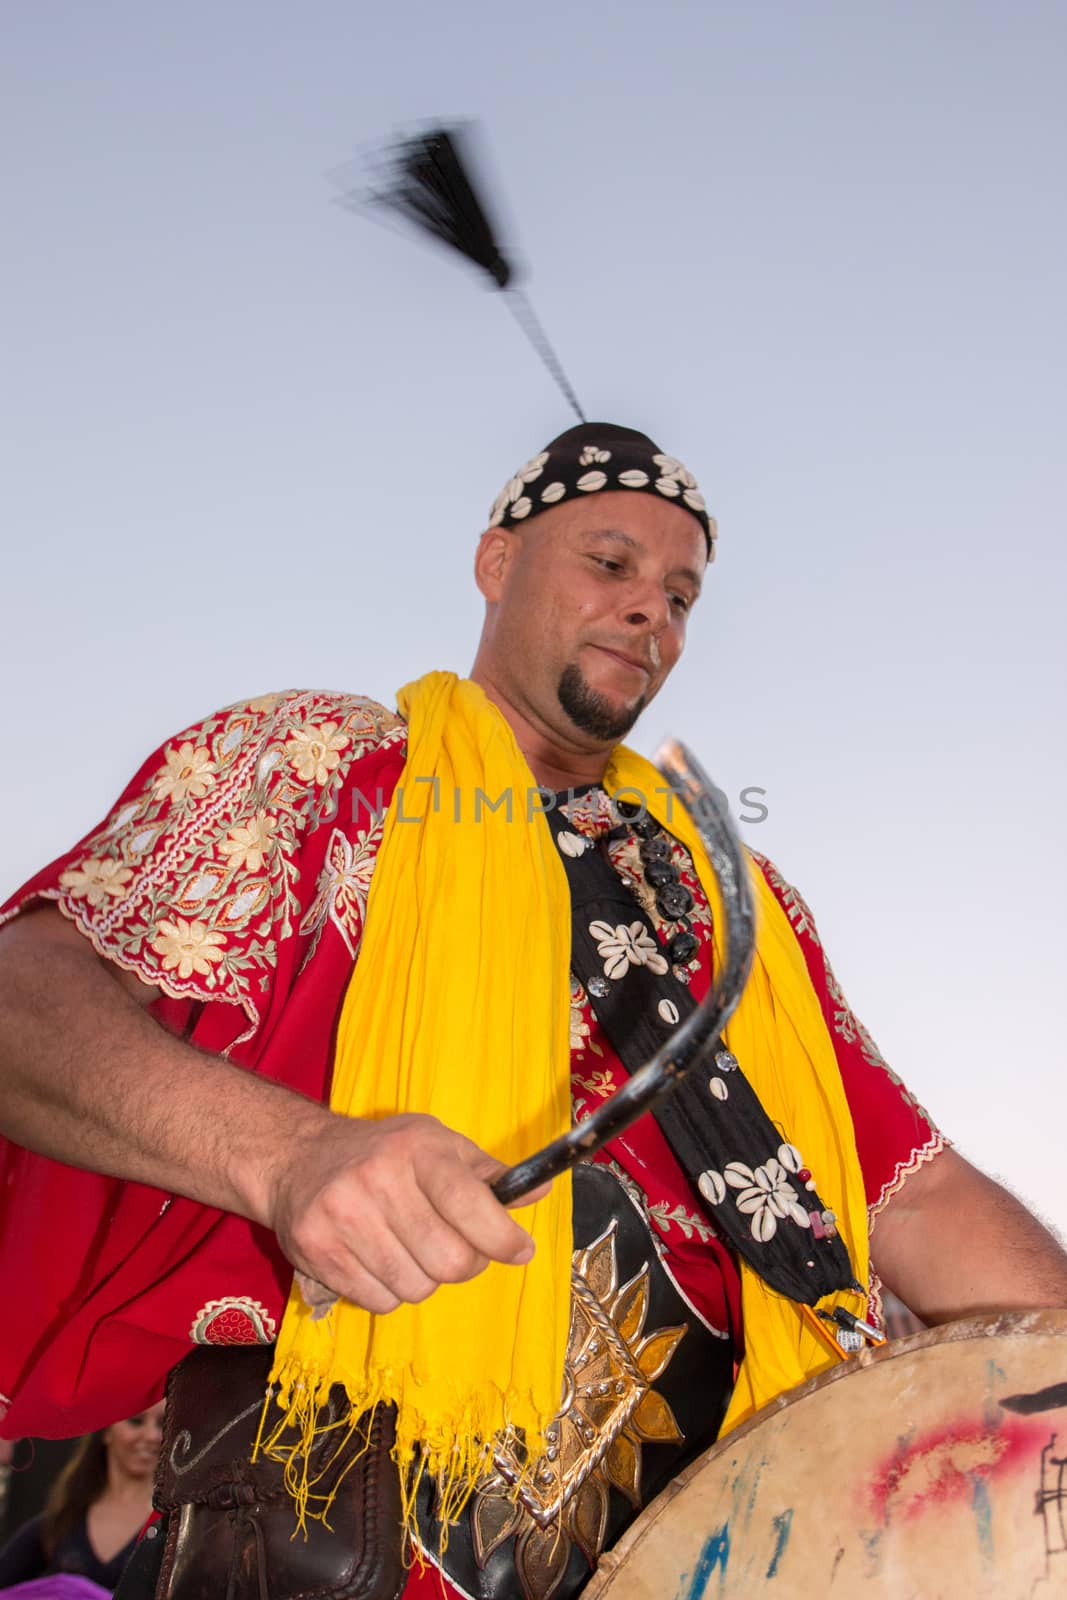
428,180
430,183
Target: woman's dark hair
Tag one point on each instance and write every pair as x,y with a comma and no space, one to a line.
81,1482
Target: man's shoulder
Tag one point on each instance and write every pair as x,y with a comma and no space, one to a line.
312,732
355,714
789,898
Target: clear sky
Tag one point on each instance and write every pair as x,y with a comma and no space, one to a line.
247,440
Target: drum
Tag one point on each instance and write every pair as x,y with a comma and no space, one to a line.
934,1467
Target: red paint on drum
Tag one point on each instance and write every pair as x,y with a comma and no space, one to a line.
942,1465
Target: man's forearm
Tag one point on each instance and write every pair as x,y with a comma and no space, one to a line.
90,1079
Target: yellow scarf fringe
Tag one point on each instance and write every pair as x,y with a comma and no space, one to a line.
458,1007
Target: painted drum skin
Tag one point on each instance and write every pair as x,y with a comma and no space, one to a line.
934,1468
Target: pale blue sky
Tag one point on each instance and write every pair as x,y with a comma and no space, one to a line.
247,440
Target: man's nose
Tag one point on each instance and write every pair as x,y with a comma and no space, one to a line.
648,607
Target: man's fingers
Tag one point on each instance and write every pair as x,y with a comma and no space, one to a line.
466,1201
441,1252
407,1206
357,1258
351,1281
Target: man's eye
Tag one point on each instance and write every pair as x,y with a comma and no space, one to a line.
681,601
606,561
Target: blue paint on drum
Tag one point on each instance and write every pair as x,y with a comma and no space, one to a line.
782,1525
715,1553
983,1518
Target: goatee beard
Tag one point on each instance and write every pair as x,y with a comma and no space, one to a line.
593,713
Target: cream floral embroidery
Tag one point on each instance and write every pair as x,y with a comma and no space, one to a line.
249,845
624,946
196,882
581,1029
96,881
795,906
599,1083
846,1024
687,1222
315,752
590,814
188,774
187,947
124,817
343,886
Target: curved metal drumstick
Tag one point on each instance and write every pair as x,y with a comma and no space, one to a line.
695,1038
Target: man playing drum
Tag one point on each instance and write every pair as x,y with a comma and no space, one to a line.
184,1019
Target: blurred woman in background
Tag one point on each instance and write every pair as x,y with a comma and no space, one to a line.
97,1509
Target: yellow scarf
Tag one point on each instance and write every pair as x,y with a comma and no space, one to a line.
779,1036
458,1007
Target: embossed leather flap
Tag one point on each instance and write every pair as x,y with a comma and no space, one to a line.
214,1404
230,1520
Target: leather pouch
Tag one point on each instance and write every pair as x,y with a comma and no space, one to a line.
231,1524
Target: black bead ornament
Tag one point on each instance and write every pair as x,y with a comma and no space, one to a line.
674,900
682,948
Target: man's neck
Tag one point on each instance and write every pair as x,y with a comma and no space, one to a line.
555,762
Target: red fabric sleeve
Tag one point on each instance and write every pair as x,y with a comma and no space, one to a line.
894,1133
240,851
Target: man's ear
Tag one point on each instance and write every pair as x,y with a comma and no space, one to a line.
496,547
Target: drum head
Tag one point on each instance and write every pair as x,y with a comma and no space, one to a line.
933,1468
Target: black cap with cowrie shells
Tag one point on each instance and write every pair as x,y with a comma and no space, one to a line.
593,457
